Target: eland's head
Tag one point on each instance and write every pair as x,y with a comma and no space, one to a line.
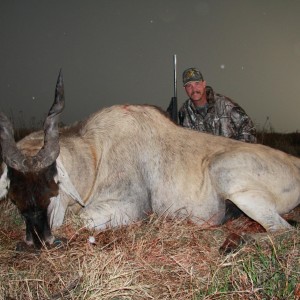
31,179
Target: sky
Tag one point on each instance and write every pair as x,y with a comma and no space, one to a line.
121,51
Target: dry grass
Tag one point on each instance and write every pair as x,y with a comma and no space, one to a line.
157,258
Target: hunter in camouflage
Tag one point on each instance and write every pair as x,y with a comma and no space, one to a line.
213,113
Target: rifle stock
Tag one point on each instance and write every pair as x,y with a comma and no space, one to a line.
172,110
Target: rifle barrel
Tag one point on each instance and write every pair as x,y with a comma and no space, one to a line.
175,75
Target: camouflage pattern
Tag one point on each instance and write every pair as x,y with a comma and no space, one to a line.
191,74
221,116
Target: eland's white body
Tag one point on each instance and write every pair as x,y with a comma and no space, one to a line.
126,161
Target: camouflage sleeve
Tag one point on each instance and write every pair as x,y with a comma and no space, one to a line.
245,128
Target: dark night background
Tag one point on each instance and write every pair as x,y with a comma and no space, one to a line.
121,51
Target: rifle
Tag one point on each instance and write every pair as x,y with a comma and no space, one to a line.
172,108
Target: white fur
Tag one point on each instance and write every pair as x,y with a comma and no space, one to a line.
4,181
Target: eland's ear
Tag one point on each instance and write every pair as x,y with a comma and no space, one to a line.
4,181
66,184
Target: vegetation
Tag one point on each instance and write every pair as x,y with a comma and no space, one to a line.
287,142
157,258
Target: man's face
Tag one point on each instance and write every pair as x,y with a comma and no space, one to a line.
195,90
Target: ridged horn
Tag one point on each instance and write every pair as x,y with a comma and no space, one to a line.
14,158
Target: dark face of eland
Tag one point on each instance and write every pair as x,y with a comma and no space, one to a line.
31,193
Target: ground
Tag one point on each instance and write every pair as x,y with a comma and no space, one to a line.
157,258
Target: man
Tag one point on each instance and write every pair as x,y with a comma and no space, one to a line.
213,113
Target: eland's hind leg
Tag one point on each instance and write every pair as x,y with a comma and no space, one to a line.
259,206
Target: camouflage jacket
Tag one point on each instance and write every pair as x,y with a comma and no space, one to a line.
221,116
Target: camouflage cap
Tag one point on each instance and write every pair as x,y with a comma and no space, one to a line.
191,74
